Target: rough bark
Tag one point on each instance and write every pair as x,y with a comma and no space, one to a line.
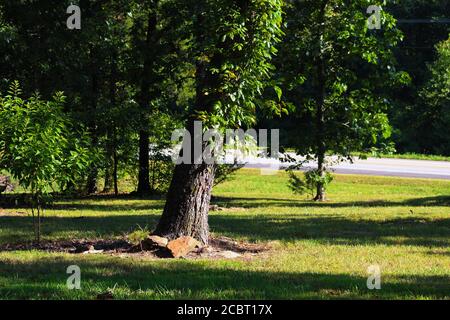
187,205
189,195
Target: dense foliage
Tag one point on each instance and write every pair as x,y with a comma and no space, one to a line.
131,75
38,146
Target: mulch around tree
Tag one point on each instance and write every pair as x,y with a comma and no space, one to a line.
218,248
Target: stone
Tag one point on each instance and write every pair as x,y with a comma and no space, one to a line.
207,249
154,242
182,246
105,296
229,254
92,251
5,184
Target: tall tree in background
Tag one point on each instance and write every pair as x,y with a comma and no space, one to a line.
333,69
424,24
435,96
231,46
48,57
149,50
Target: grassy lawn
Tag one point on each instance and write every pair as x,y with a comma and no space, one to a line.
318,250
415,156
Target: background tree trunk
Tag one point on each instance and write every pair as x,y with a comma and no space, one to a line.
144,163
320,120
320,194
109,169
92,180
111,143
91,185
144,100
115,167
108,181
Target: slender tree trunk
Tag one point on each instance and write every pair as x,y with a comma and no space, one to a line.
39,224
93,173
111,131
115,161
320,193
144,163
109,172
320,144
320,119
144,99
92,178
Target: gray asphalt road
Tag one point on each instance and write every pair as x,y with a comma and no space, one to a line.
374,166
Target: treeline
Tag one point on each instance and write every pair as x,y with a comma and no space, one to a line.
136,70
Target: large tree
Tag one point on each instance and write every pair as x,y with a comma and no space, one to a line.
424,24
230,44
435,97
333,68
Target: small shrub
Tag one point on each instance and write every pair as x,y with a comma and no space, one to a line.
308,184
137,236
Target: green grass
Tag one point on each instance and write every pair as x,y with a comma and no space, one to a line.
319,250
408,156
414,156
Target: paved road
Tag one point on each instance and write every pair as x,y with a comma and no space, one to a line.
376,167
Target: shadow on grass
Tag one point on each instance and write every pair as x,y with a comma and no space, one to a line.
273,202
94,202
18,201
16,229
45,278
107,207
337,230
326,229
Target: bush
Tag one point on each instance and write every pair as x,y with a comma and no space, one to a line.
38,147
308,184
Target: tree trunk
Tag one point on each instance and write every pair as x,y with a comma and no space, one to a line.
144,163
92,180
320,118
115,169
109,170
189,195
111,146
144,99
93,172
109,179
320,194
187,205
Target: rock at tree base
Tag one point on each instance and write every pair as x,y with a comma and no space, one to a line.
5,184
229,254
92,250
154,242
182,246
105,296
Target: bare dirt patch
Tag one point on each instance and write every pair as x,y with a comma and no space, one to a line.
218,248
